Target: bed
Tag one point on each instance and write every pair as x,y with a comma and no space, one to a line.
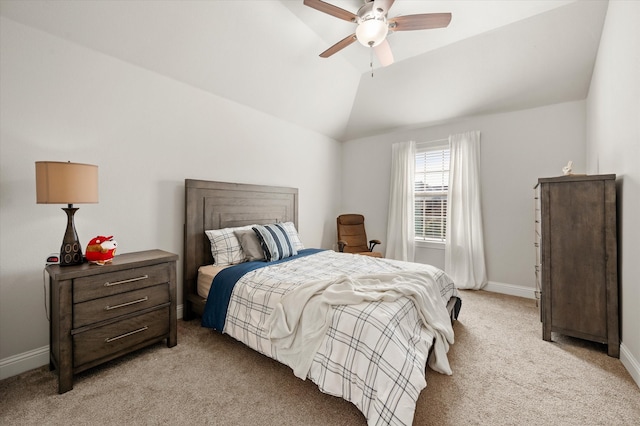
360,328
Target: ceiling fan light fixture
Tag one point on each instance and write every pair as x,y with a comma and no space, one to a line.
372,32
373,25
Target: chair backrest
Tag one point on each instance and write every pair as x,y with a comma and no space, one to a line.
351,230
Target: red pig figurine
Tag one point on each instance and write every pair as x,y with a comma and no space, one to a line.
101,250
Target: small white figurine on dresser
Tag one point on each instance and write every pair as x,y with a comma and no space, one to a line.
566,170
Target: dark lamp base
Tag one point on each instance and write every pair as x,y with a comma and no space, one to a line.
70,251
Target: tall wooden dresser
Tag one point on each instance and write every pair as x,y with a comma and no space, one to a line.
99,313
578,253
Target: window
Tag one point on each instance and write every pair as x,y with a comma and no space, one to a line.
431,187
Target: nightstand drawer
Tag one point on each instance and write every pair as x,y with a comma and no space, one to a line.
107,284
103,341
97,310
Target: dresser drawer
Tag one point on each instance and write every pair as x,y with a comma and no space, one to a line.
97,310
107,340
107,284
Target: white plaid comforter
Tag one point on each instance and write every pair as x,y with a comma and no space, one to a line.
373,354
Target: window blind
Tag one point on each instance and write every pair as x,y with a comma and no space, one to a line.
431,188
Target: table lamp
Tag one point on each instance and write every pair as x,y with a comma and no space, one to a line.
67,183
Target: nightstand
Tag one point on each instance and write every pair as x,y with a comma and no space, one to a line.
99,313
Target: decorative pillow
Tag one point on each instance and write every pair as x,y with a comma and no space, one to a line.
274,241
293,235
225,247
250,244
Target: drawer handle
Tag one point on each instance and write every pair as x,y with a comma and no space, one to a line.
133,302
111,339
130,280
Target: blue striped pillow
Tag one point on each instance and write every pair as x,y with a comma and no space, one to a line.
274,241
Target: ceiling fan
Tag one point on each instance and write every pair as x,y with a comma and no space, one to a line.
373,25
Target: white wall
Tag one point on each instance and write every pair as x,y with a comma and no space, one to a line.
613,134
147,133
516,149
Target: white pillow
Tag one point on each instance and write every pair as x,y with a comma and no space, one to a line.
293,235
225,247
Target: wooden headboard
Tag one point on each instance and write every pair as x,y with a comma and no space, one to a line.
218,205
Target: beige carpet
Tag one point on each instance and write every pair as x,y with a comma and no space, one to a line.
503,373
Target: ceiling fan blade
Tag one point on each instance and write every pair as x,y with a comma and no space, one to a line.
331,10
383,6
424,21
339,46
384,54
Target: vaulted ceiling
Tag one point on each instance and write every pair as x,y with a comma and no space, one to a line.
494,56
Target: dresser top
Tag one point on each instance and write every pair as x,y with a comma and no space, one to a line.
575,178
119,262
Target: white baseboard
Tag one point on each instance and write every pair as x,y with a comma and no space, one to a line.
510,289
25,361
16,364
630,363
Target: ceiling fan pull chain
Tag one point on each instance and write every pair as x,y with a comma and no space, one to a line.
371,60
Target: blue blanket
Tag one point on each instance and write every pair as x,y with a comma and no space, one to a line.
215,310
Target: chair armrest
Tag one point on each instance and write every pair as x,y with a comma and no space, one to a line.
341,245
372,244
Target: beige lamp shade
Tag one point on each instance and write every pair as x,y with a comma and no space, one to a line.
66,183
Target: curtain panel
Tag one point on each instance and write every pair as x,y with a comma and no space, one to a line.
400,225
464,243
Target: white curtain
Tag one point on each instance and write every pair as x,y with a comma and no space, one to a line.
464,246
400,225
